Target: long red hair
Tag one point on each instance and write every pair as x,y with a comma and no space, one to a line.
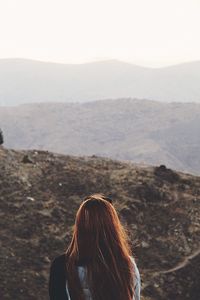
101,244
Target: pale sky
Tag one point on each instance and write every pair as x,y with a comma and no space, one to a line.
145,32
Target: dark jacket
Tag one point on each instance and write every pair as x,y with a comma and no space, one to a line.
57,279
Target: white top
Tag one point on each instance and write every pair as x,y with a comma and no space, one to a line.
82,272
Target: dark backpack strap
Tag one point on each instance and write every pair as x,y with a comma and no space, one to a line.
57,279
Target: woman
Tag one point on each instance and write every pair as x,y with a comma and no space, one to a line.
98,264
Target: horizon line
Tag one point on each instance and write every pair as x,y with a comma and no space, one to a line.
100,61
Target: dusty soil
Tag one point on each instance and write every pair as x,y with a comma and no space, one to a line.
41,191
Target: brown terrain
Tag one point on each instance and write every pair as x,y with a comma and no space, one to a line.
41,191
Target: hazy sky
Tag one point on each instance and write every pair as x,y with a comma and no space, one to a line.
145,32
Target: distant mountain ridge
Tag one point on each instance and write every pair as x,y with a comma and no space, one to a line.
142,131
29,81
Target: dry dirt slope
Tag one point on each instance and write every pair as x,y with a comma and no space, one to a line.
38,204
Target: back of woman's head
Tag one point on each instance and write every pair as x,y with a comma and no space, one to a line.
100,243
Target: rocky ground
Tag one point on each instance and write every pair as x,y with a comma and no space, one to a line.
41,191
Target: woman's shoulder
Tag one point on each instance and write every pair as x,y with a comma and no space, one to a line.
60,257
58,263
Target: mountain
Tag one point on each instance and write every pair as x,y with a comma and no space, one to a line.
41,192
142,131
28,81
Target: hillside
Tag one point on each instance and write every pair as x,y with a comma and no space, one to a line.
29,81
41,191
141,131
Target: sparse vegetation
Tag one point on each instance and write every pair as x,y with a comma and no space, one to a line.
38,202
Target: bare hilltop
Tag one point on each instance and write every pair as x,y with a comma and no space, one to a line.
41,191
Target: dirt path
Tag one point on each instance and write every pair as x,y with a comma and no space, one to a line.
182,264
